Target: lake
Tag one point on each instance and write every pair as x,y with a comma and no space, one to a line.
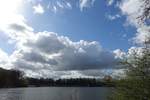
55,93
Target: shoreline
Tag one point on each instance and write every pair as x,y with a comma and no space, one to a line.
55,86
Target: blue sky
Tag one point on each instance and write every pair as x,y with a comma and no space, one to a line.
90,24
61,38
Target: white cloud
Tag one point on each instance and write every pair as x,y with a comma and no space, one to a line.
11,23
59,5
113,17
69,5
50,55
133,9
60,53
15,27
85,4
47,54
38,9
142,35
119,54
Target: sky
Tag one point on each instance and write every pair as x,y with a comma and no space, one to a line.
69,38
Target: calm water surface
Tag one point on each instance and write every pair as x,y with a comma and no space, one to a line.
55,93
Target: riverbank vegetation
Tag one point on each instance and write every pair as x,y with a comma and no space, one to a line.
136,84
15,78
12,78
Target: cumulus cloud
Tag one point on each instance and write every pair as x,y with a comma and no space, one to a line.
60,53
100,73
38,9
47,53
119,54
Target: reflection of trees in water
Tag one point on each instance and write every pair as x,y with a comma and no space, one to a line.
74,94
54,93
12,94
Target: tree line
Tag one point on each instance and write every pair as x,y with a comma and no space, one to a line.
16,78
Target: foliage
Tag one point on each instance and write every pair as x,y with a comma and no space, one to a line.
136,84
146,10
12,78
15,78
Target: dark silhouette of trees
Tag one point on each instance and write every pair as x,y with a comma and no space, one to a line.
87,82
12,78
15,78
77,82
40,82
